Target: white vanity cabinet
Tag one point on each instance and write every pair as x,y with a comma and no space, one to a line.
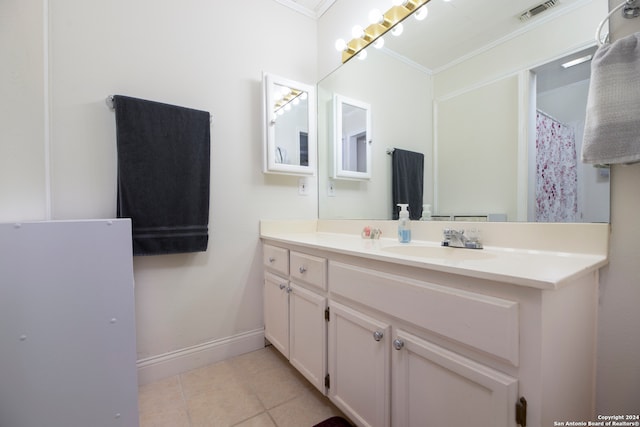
421,348
294,309
438,343
381,374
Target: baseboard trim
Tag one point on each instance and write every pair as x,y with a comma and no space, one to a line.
165,365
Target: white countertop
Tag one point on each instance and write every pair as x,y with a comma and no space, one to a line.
542,269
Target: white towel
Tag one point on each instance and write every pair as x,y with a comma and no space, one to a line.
612,127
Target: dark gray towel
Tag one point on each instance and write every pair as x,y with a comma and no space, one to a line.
163,175
407,181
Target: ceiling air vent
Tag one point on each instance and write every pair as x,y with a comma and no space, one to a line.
525,16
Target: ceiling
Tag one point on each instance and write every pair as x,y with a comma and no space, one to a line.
454,29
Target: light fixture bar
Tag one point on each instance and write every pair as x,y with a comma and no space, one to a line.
391,18
576,61
281,103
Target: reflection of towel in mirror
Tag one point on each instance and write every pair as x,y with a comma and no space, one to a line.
612,127
407,181
163,175
281,155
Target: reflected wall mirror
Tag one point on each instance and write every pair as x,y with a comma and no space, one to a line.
454,97
352,140
289,126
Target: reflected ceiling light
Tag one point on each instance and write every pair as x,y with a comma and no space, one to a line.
391,20
287,98
398,29
576,61
421,13
376,17
362,55
341,45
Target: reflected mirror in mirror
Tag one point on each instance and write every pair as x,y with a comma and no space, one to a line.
352,139
289,126
477,100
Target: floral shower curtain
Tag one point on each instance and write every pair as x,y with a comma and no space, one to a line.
556,174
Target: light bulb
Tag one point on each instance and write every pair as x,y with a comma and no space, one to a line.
341,45
296,100
400,2
376,17
421,13
379,43
357,32
398,29
304,96
362,55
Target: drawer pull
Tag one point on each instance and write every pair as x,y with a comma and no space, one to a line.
377,335
398,344
302,270
282,286
289,289
271,259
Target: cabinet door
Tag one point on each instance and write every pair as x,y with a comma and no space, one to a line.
308,335
359,366
276,312
434,387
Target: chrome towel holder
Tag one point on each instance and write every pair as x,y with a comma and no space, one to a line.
630,10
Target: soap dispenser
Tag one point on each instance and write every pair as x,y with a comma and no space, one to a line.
404,224
426,213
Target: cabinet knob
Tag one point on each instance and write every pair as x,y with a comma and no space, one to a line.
282,286
377,335
398,344
302,269
271,259
289,289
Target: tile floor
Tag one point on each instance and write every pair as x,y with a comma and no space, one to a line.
257,389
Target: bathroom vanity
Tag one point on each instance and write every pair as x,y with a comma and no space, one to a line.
423,335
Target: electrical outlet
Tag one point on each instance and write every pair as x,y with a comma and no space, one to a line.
331,189
303,186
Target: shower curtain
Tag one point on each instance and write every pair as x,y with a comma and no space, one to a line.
556,171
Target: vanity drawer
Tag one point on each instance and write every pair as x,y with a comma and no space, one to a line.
309,269
276,259
484,322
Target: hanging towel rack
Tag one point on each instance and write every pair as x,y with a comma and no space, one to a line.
112,106
630,10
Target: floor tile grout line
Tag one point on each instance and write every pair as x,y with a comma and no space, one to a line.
184,400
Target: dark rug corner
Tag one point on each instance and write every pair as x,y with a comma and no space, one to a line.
334,422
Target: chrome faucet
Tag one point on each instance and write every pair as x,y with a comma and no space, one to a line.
457,239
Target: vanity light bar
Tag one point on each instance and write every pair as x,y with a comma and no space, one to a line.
282,102
390,19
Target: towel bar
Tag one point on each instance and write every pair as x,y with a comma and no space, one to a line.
109,101
631,10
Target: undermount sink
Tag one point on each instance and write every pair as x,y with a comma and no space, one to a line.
439,252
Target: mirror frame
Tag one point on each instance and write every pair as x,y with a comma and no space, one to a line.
269,120
338,172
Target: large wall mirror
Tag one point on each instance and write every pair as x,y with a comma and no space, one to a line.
289,126
474,88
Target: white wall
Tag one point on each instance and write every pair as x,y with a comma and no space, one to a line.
618,377
22,125
202,54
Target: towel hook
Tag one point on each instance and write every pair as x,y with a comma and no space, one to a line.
631,10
